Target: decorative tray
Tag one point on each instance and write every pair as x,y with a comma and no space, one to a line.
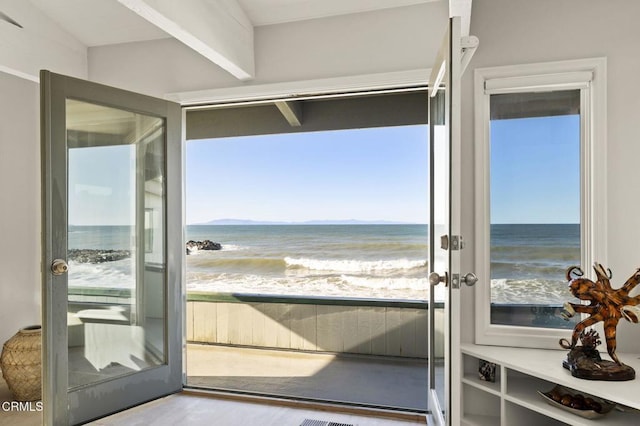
583,405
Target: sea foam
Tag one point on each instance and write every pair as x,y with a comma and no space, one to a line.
117,274
354,266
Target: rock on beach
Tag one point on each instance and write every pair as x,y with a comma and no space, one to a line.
194,246
97,255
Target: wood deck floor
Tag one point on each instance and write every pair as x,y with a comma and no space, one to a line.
377,381
357,379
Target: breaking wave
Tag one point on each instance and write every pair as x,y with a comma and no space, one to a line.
355,266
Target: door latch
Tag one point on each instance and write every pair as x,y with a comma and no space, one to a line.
469,279
444,242
457,243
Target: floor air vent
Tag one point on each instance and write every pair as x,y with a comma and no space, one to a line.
311,422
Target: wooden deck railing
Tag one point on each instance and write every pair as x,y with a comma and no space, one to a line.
325,324
373,327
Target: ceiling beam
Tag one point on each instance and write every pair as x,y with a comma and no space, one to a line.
395,80
292,111
461,8
217,29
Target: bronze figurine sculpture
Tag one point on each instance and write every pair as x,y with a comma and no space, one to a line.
606,305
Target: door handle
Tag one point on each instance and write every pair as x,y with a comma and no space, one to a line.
59,267
469,279
435,278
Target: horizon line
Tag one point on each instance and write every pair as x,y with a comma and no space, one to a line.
304,222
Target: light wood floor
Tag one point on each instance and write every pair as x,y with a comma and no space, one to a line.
16,416
189,409
195,410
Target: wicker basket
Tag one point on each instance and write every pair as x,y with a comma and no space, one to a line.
21,363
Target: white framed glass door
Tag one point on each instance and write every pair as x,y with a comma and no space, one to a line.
112,249
445,239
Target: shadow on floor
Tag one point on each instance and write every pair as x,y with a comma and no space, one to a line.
357,379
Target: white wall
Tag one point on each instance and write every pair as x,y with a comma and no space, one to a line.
19,205
41,44
524,31
372,42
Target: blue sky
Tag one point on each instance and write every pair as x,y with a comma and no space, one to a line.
535,170
364,174
100,185
380,174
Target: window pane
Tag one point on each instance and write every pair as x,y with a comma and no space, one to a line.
535,205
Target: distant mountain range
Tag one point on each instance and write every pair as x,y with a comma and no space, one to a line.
309,222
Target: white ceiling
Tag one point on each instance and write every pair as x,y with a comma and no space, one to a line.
103,22
267,12
220,30
99,22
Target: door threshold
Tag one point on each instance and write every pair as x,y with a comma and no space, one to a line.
333,407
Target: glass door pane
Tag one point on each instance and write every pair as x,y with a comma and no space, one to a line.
439,255
116,240
112,249
440,234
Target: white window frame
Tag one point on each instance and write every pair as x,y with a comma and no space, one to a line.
588,75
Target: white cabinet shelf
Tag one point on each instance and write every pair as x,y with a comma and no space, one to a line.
479,420
472,380
521,372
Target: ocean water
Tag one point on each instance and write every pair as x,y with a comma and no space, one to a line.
118,274
528,262
381,261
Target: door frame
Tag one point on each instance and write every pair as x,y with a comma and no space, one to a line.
357,85
450,57
455,312
60,405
